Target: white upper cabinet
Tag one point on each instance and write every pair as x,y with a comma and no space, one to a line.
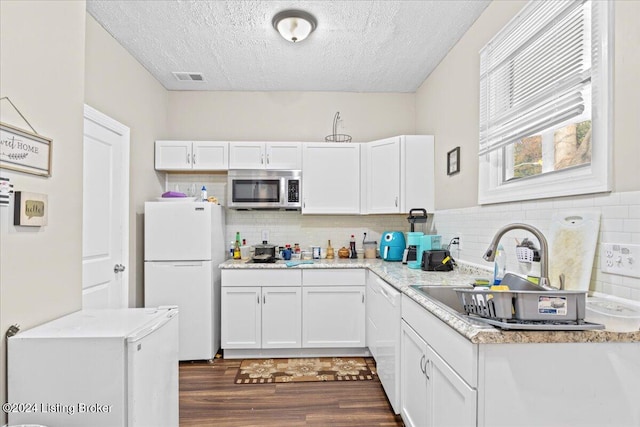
265,155
331,178
191,155
400,174
383,180
210,155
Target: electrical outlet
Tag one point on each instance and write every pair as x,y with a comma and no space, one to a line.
265,235
620,258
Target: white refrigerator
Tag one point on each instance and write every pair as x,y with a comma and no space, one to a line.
99,368
183,246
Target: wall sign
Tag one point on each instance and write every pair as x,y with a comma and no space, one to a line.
24,151
30,209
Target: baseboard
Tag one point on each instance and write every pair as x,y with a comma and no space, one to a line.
295,352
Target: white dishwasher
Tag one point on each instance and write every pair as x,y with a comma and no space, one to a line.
386,314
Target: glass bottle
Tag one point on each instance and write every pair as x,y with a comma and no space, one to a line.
236,248
329,250
352,247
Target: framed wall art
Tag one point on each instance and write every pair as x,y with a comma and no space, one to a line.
30,209
453,161
24,151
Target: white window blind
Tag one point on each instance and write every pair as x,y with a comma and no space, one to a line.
536,72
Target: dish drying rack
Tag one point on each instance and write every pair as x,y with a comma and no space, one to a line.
335,136
524,305
527,310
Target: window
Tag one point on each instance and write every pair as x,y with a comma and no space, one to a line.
545,107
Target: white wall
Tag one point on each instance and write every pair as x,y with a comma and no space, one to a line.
42,72
288,116
447,103
447,106
117,85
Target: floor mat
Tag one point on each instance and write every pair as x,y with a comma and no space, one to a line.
267,371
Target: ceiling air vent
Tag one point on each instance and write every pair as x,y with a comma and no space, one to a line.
188,77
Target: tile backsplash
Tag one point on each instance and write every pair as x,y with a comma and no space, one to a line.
289,227
476,226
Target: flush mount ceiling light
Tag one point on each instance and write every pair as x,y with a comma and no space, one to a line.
294,25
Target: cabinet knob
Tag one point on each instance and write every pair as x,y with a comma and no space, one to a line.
118,268
194,161
423,369
267,158
262,159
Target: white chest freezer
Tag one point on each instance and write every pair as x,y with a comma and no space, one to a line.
99,368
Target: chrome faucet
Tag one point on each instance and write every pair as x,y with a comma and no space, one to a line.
490,254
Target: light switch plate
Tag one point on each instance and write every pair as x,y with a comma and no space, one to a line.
620,258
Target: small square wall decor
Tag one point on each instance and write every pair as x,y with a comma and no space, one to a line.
30,209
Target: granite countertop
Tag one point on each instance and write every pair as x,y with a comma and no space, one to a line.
401,277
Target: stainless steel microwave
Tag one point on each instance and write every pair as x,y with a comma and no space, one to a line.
264,189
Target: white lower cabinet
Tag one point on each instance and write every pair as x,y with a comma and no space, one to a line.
281,317
256,317
413,381
437,368
450,400
433,394
322,309
241,313
333,316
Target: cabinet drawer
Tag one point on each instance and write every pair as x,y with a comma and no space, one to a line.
457,351
261,277
334,277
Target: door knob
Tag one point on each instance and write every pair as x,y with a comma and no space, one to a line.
118,268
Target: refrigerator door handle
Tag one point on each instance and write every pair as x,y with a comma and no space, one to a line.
141,333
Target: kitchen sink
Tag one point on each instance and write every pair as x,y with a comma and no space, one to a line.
442,294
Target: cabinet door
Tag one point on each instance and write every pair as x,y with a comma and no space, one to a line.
383,184
210,155
284,155
241,314
333,316
331,178
282,317
173,155
417,173
450,401
247,155
413,380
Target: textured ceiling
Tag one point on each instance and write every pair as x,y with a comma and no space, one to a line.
358,46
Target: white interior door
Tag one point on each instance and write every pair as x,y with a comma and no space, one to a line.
105,206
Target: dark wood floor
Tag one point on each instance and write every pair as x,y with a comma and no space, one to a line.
209,397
